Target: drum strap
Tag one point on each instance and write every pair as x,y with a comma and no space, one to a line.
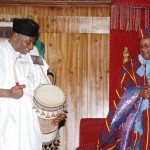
48,82
15,75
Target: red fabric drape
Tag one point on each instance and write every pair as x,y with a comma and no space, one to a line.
130,15
119,39
134,3
122,37
127,17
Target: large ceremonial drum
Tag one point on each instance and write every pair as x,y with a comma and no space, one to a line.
49,103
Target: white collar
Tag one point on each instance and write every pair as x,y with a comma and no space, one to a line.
142,60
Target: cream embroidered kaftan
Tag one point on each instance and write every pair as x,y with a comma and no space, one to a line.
19,127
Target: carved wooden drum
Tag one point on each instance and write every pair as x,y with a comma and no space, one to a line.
49,103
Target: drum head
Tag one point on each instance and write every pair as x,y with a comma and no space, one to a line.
49,96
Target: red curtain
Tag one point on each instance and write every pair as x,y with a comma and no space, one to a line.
124,33
134,3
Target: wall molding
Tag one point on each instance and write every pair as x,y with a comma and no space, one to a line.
53,3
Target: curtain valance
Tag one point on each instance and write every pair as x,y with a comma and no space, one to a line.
130,15
132,3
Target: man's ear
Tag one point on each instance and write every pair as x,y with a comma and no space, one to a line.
16,37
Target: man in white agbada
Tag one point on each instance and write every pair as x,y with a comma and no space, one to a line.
19,77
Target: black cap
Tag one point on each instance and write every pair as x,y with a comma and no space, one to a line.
25,26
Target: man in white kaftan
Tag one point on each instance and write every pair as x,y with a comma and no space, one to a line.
19,126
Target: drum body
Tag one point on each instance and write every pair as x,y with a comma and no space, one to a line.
48,104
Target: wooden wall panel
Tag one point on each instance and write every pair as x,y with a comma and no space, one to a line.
79,59
98,74
82,63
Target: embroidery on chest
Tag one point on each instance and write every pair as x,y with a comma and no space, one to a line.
30,77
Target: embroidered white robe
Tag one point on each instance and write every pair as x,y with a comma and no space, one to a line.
19,126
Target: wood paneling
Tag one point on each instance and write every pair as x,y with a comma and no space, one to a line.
74,24
79,59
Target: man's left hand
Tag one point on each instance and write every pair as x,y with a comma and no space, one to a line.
58,119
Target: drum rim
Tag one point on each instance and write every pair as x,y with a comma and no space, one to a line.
49,106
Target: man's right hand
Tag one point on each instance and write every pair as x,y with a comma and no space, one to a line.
145,92
16,92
